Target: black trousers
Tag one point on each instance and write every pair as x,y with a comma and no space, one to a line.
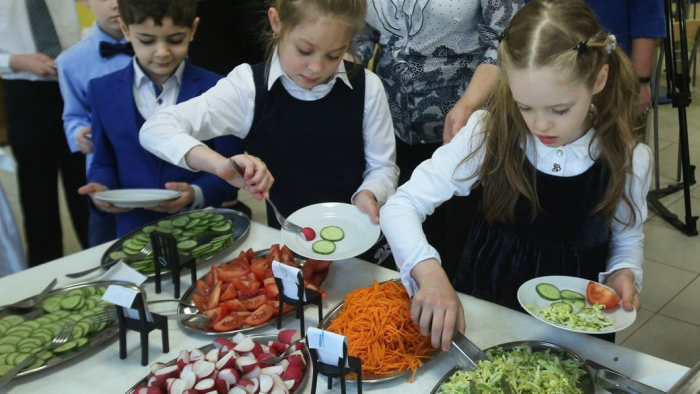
447,228
35,128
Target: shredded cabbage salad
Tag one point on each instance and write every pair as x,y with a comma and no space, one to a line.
587,319
525,371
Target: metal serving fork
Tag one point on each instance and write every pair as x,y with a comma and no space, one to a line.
32,301
272,360
146,251
61,338
109,315
286,224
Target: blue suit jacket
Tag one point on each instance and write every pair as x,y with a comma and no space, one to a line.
119,160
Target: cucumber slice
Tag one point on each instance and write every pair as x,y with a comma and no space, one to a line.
68,346
187,245
195,215
572,295
222,228
13,320
216,218
116,256
587,311
81,342
5,369
165,223
7,348
332,233
148,229
548,291
323,247
11,339
72,302
75,292
575,302
563,306
180,222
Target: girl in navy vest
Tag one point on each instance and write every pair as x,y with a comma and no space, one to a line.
321,125
562,180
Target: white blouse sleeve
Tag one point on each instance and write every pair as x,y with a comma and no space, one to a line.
226,108
432,183
627,242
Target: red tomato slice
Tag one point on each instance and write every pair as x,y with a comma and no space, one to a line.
259,266
228,323
199,302
260,316
202,288
230,275
286,256
271,291
230,292
214,316
315,288
250,255
235,306
602,295
254,303
246,296
237,264
244,285
213,300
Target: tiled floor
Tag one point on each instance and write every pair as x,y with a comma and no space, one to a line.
668,325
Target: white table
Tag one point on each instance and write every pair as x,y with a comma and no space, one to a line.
101,370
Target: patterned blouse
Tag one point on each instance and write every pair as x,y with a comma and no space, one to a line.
428,52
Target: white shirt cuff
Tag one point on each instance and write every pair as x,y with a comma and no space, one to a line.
198,202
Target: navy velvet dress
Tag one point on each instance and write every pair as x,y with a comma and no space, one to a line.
566,238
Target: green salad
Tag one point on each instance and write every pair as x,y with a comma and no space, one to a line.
525,371
585,319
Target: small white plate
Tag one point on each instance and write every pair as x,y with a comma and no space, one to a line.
137,198
360,232
663,380
527,295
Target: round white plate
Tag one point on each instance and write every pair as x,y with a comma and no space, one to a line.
527,295
663,380
137,198
360,232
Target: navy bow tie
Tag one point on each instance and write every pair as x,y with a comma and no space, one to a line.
108,50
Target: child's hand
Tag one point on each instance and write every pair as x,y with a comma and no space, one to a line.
256,177
91,189
176,204
436,308
622,281
35,63
454,121
82,139
367,202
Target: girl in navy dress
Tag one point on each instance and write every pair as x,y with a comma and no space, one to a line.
322,126
563,182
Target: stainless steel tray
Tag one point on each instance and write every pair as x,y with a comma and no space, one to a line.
586,383
109,332
366,377
260,338
240,223
199,328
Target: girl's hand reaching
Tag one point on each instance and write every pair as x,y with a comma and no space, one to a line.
622,281
436,307
367,202
256,178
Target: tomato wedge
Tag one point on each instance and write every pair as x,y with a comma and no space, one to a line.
230,293
228,323
260,316
246,286
254,303
602,295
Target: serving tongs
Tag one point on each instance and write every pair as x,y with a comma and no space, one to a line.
616,382
466,354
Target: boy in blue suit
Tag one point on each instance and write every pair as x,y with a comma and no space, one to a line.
159,75
103,52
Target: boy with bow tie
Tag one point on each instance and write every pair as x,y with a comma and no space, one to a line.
104,51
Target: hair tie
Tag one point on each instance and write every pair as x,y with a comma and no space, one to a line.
611,44
582,47
502,36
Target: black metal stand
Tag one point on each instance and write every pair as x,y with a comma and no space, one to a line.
165,255
312,297
678,88
143,326
354,364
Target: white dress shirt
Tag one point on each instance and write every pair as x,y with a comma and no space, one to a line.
149,103
16,33
229,107
438,179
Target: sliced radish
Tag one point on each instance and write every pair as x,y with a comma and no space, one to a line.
257,349
204,369
293,373
297,359
273,370
221,386
148,390
265,383
188,375
246,346
212,355
250,386
196,355
279,347
284,363
289,384
237,390
230,375
178,386
227,361
223,344
238,338
278,386
205,386
156,367
288,336
254,373
171,371
245,364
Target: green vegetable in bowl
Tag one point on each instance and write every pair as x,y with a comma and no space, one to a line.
586,319
525,371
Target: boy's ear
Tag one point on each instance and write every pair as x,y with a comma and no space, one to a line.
193,29
274,18
125,29
601,79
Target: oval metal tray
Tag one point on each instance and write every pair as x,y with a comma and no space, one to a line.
366,377
586,384
199,328
95,340
260,338
240,223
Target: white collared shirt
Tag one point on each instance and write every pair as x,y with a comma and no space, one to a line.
16,33
149,103
229,107
436,180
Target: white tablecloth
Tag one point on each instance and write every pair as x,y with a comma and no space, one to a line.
101,370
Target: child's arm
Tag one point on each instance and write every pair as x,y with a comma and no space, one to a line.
103,169
381,174
626,254
76,117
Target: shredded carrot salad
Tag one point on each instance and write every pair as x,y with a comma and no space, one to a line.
376,320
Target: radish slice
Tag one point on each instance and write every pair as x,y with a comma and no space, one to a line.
203,369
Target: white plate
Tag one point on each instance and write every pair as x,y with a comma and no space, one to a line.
137,198
663,380
527,295
360,232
